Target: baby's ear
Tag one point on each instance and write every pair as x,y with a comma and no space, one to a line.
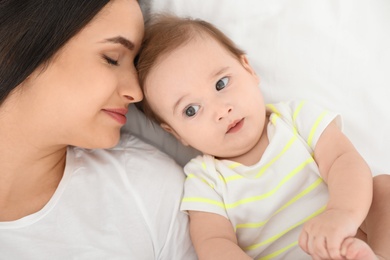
170,130
245,62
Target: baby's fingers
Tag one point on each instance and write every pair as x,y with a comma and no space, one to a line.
334,247
310,245
320,248
317,247
303,241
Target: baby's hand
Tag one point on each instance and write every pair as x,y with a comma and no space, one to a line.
323,235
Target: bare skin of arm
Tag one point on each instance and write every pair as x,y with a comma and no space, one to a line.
349,181
214,238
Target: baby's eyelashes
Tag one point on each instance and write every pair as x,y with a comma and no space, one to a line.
190,111
222,83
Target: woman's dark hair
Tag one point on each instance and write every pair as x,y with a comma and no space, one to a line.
31,32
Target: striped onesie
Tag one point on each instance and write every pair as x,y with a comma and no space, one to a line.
267,203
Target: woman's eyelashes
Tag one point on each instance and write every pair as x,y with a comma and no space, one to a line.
190,111
222,83
111,61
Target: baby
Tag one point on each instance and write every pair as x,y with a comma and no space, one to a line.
277,181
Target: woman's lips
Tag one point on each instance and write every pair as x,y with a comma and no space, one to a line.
118,114
235,126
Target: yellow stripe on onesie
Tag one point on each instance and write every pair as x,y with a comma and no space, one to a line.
268,202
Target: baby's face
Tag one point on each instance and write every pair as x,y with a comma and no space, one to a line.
209,99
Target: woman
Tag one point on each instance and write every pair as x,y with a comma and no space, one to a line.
66,79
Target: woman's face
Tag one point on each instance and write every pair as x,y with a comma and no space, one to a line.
81,98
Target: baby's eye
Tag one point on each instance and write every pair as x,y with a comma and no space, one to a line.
111,61
221,84
191,110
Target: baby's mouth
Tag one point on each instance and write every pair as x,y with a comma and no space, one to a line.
235,126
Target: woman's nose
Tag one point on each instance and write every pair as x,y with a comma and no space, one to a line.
132,90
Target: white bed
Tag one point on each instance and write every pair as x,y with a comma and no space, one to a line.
334,52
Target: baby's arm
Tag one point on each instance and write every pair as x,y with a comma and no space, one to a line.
213,237
349,182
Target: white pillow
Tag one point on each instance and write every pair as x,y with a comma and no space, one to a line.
150,132
335,53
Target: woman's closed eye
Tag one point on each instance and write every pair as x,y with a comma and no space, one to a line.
111,61
190,111
222,83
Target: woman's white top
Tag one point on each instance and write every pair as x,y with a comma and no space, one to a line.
120,203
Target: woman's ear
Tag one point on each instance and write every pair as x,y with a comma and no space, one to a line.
245,63
172,131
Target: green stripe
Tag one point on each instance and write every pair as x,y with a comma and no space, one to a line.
314,128
250,199
275,237
297,197
280,251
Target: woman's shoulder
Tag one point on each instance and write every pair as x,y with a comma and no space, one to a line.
131,157
138,151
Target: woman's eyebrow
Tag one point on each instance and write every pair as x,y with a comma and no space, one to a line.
121,40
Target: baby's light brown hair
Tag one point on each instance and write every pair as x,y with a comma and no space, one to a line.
163,34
